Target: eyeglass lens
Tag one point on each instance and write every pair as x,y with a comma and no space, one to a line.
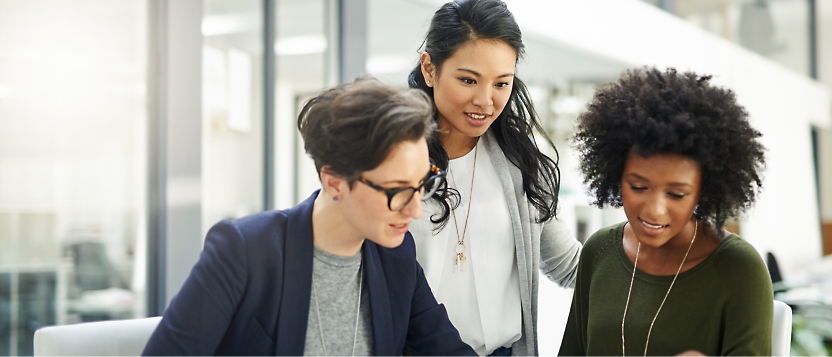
402,198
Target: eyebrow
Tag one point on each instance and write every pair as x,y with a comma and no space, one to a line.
639,177
401,182
480,75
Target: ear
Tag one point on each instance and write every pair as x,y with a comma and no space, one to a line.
428,69
332,183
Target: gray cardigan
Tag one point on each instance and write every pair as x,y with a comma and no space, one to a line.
548,246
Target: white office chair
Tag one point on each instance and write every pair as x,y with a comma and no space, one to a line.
104,338
781,333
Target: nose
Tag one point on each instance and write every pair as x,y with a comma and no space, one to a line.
483,97
656,207
414,207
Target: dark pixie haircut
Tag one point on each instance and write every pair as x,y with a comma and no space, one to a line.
649,112
352,128
456,24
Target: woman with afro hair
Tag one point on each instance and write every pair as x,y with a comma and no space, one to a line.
679,155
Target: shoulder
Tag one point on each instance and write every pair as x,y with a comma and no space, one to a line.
251,227
604,237
740,266
601,243
257,223
276,223
734,253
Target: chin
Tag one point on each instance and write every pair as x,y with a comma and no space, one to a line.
476,132
390,242
653,241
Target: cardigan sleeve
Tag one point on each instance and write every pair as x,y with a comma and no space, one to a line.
199,315
559,253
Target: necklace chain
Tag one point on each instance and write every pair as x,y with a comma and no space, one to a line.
459,249
635,264
357,309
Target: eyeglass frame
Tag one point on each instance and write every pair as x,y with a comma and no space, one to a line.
434,172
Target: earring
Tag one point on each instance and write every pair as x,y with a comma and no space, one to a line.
335,198
427,82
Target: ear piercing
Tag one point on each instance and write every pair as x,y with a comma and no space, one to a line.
335,198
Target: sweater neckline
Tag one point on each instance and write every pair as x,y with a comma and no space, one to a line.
618,237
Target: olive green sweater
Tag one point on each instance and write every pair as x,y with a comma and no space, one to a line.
722,306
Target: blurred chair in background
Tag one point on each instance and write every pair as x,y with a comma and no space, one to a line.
807,303
97,291
781,333
103,338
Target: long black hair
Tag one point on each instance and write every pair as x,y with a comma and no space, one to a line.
453,25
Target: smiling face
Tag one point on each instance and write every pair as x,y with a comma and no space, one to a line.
366,209
472,88
659,194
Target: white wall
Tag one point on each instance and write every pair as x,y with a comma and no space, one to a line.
824,41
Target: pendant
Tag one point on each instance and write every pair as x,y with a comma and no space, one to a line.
460,256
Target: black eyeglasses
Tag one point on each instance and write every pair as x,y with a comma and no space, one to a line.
397,198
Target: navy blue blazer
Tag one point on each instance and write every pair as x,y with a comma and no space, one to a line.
249,294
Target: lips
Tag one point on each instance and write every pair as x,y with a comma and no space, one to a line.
477,119
400,228
652,228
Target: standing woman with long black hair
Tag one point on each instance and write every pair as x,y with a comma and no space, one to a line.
483,238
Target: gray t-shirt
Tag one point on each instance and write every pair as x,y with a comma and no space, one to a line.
335,281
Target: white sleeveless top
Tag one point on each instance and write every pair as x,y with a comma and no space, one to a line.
483,300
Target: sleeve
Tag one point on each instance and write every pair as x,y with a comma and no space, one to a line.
573,343
559,253
430,332
749,309
199,315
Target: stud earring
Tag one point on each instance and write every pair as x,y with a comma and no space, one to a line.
427,82
335,198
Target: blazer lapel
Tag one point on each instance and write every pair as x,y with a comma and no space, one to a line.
382,318
297,280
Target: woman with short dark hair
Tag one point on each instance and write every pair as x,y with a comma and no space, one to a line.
485,240
679,155
336,274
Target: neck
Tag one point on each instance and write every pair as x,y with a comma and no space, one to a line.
331,231
670,254
456,144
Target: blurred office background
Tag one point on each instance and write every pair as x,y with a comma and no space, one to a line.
129,127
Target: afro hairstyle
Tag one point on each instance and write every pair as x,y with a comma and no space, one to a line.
648,112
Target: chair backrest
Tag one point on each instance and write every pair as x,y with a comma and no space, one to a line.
104,338
781,333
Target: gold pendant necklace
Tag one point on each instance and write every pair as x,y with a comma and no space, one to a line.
459,248
638,250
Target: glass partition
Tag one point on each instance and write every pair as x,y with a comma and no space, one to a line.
72,164
232,109
306,47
